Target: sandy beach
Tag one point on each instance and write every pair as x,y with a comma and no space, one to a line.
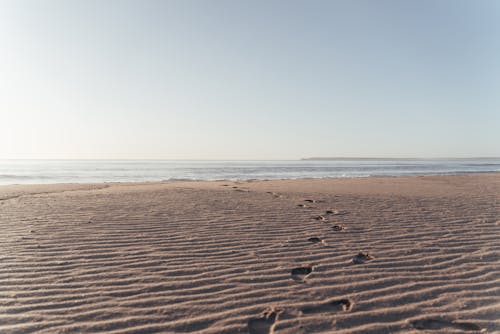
361,255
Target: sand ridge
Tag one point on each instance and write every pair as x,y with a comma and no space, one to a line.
389,255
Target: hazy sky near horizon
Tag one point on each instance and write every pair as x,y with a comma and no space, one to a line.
249,79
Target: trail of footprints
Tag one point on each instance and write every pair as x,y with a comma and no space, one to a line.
266,322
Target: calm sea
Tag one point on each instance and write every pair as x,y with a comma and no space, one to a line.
69,171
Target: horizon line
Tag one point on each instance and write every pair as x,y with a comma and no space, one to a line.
295,159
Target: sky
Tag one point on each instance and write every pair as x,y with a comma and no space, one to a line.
211,79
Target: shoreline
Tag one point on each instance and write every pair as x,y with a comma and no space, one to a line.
253,179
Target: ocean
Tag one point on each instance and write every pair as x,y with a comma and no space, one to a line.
82,171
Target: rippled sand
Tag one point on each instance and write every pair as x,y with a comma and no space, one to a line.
373,255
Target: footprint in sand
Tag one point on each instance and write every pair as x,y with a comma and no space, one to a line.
336,212
309,201
301,273
315,240
362,257
338,228
320,218
440,323
343,304
265,323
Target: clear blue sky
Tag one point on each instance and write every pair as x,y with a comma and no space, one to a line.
249,79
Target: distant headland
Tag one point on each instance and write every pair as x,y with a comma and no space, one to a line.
393,158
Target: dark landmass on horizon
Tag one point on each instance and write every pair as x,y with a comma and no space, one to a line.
389,159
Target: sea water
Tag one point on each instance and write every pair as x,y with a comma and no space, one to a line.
81,171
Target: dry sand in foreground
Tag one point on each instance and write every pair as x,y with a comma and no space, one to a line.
253,257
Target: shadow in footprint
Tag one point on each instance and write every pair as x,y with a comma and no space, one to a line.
440,323
315,240
336,212
362,257
300,273
338,228
343,304
265,323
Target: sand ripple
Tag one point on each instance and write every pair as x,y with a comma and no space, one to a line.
199,257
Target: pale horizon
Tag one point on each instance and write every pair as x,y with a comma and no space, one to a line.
236,160
222,80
